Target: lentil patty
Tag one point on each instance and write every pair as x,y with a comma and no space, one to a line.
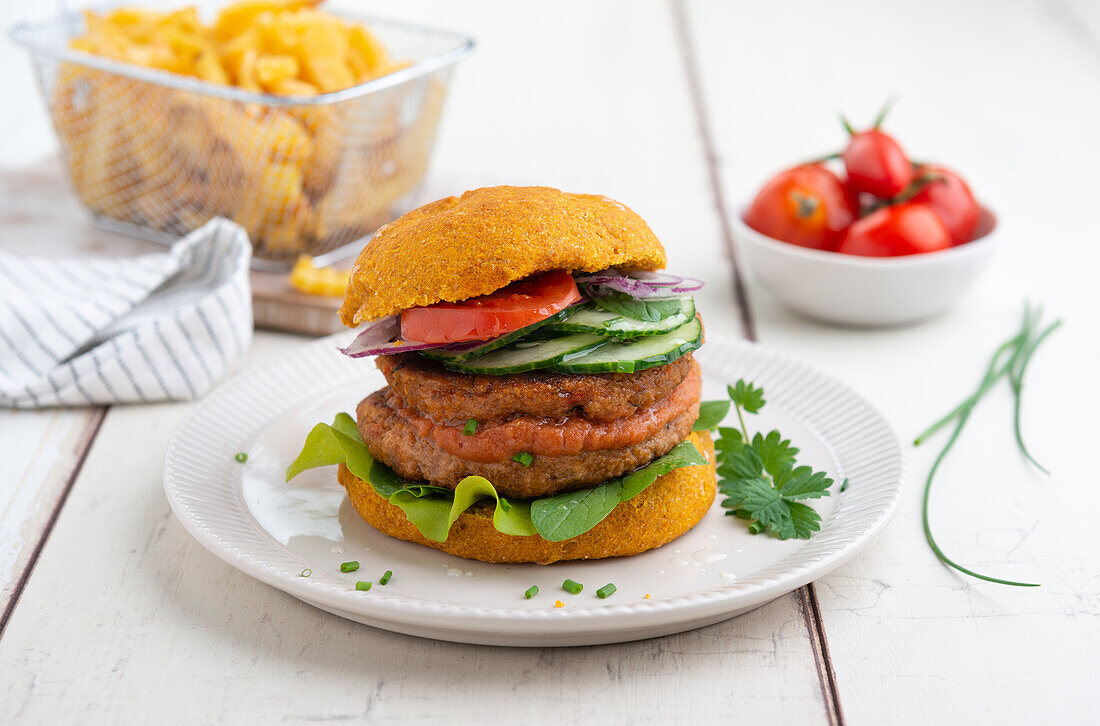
456,397
570,451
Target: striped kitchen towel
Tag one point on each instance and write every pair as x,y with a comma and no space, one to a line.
93,330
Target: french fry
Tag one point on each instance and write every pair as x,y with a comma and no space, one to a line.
271,69
291,175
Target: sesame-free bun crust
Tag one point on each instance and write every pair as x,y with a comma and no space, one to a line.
665,510
462,247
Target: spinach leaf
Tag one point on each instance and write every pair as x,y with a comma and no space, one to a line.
569,515
683,454
649,310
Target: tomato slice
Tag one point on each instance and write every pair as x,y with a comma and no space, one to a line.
515,306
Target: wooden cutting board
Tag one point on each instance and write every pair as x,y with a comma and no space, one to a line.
39,215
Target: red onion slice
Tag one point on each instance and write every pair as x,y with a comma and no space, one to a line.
382,338
397,346
689,284
657,279
639,284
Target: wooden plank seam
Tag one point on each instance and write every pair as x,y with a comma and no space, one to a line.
82,449
807,596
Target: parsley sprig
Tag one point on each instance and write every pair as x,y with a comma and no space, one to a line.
759,477
1010,360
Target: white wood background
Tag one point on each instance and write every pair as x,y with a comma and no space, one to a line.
112,614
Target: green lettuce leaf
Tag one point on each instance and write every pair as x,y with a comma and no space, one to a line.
430,509
335,444
345,424
433,510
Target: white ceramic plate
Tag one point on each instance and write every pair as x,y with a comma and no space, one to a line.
272,530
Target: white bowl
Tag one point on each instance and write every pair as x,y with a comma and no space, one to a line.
865,291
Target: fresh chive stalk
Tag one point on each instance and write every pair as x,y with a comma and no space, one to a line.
362,586
241,457
385,578
531,592
523,458
349,566
606,591
1009,360
1016,377
471,427
572,586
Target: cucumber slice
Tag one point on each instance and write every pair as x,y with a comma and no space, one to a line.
639,354
594,320
531,355
591,319
452,356
587,320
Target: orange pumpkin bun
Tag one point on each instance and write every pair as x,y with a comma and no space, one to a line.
462,247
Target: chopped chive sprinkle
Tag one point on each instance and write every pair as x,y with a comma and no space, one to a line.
531,592
241,457
559,604
844,485
572,586
471,427
364,586
385,578
606,591
349,566
307,572
523,458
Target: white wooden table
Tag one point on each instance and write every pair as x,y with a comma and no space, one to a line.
679,108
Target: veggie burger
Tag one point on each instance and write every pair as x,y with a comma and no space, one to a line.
541,388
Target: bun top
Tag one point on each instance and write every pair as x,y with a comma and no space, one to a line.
461,247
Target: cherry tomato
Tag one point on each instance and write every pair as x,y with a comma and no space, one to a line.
510,308
950,197
900,229
876,164
807,206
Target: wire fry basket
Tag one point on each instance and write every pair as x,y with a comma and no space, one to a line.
156,154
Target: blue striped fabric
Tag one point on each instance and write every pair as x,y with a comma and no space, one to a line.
90,331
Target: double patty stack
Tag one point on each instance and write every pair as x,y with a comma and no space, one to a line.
532,434
581,430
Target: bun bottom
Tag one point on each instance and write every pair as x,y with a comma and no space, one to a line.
665,510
